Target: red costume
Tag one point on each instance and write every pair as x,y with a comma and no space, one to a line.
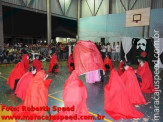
87,57
37,95
121,68
23,84
53,62
107,61
37,64
19,70
74,94
70,60
116,102
147,79
132,87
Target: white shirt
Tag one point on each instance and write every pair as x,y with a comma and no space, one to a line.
108,48
117,48
103,49
113,48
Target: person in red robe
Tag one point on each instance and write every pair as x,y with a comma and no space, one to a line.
37,64
19,70
86,58
53,66
132,86
71,63
74,94
36,96
23,83
116,101
146,76
108,64
120,67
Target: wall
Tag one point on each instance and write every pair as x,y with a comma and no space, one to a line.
112,27
61,8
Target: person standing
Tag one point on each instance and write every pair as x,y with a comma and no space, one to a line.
108,50
117,51
103,51
113,50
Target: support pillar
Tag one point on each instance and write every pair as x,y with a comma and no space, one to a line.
78,20
49,21
1,26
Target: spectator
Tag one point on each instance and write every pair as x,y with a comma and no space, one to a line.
108,50
117,51
113,51
103,51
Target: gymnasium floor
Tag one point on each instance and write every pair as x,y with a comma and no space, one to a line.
95,101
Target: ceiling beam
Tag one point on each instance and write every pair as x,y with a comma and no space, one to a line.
68,7
99,7
89,7
133,4
60,7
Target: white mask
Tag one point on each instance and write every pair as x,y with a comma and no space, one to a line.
141,63
34,72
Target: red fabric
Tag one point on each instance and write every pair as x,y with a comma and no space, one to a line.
107,61
70,60
132,87
116,102
16,73
37,95
19,70
147,79
53,61
87,57
22,85
25,61
37,64
120,68
75,94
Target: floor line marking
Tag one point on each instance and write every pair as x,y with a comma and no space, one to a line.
89,111
56,92
4,77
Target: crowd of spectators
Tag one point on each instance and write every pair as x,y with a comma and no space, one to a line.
13,53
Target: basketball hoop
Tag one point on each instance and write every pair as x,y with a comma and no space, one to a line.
136,18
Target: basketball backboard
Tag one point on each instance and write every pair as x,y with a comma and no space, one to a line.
138,17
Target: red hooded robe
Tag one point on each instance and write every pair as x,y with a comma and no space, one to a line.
53,61
132,87
120,68
147,79
37,64
116,100
74,94
22,85
86,58
107,61
70,60
19,70
37,95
